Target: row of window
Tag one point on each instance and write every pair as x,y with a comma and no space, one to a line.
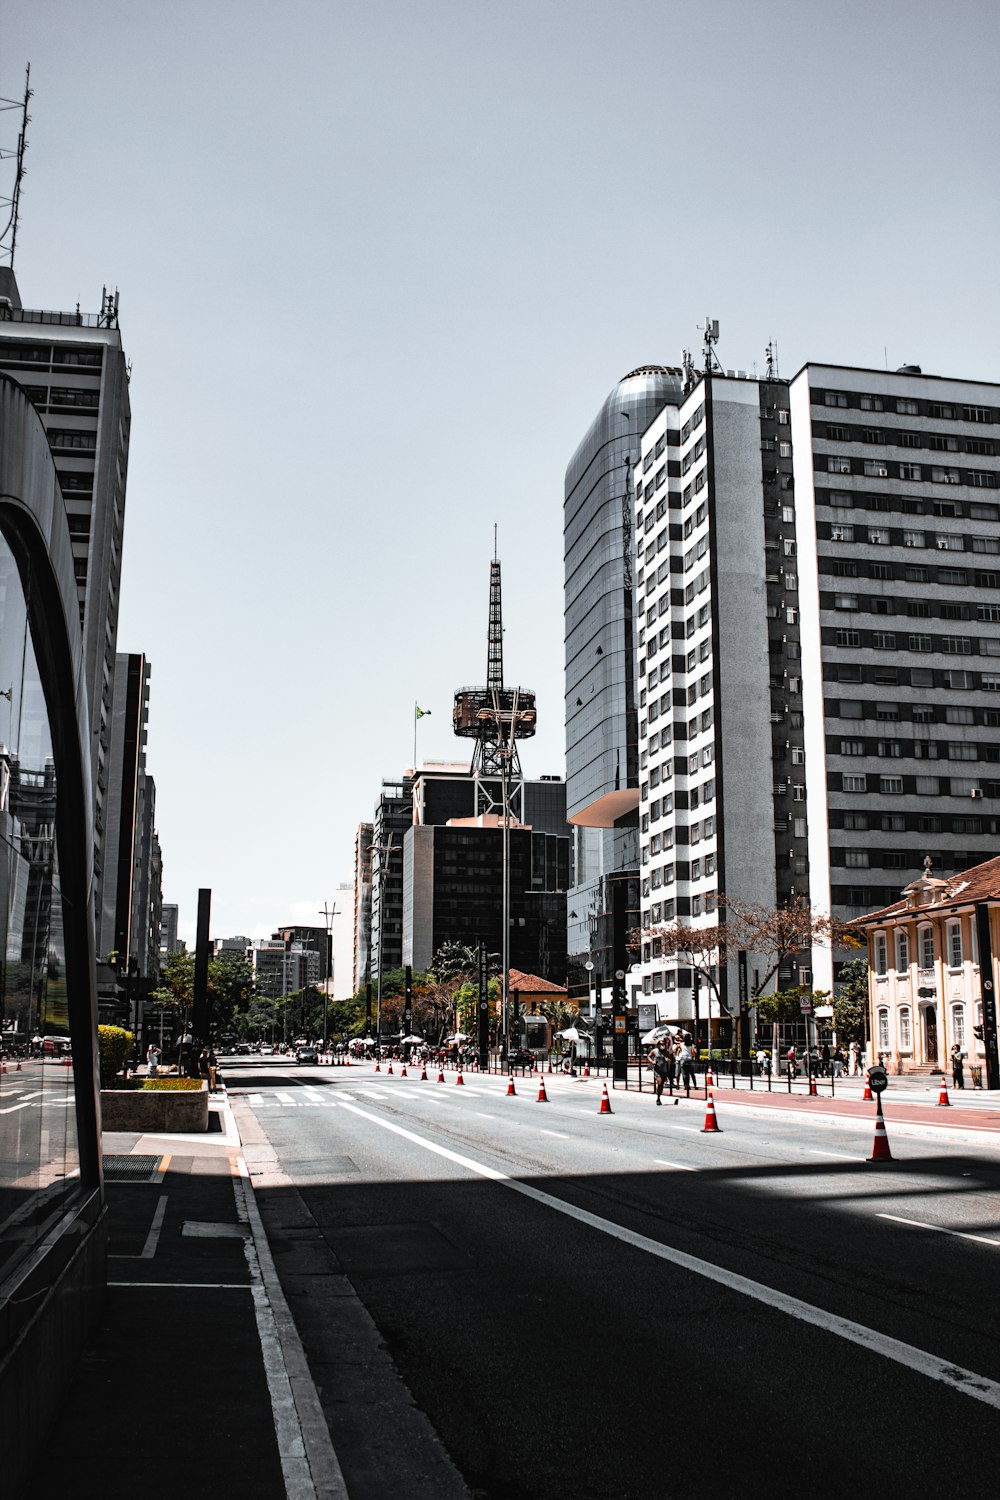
890,640
916,713
914,786
48,354
926,948
906,406
893,437
891,536
886,572
882,675
908,505
862,822
915,609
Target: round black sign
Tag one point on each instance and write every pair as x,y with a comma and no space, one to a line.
877,1079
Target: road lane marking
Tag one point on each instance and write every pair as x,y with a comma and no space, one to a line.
285,1099
153,1237
840,1155
12,1107
557,1133
678,1166
481,1115
979,1387
959,1234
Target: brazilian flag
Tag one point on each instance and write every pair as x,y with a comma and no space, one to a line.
422,713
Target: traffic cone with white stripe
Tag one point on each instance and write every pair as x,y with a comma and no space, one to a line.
880,1150
866,1097
709,1080
943,1096
711,1123
460,1080
550,1065
813,1090
423,1074
605,1108
440,1075
510,1086
378,1066
543,1097
389,1068
402,1071
586,1070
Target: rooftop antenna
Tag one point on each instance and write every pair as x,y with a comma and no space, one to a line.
711,332
687,366
8,235
771,354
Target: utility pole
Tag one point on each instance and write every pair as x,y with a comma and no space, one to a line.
328,913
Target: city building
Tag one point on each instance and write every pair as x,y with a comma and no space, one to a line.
129,893
926,971
601,705
805,647
72,368
284,968
343,926
169,941
53,1228
393,816
362,905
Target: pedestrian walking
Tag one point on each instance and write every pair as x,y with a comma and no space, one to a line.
958,1066
825,1060
838,1062
685,1064
658,1060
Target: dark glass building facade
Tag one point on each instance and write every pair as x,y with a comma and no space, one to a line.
602,752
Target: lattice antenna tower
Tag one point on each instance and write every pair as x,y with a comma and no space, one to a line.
771,354
10,205
711,338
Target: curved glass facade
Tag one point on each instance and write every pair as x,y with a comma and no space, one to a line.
39,1154
601,712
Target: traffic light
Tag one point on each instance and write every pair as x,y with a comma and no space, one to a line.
977,1032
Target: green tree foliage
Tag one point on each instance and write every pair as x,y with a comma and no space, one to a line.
114,1046
850,1004
230,986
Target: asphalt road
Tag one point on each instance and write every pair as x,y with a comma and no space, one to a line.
617,1306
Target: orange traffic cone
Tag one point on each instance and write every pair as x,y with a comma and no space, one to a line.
711,1123
378,1066
543,1097
423,1075
510,1086
880,1150
586,1070
550,1065
460,1080
402,1071
709,1080
19,1069
605,1108
943,1096
389,1068
813,1090
347,1060
866,1097
3,1066
440,1075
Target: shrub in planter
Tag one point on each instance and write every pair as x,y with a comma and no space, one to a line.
171,1085
115,1045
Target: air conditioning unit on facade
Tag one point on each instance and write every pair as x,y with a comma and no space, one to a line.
977,791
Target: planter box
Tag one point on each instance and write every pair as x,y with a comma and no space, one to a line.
152,1111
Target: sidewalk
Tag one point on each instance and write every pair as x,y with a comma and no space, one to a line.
194,1379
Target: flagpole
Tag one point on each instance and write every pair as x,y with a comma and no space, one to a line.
414,738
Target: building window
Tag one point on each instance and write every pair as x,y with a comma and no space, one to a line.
838,463
958,1024
910,471
878,536
926,940
913,539
881,954
850,638
954,945
890,786
902,954
857,859
845,601
852,747
875,469
883,1029
871,403
905,1032
855,783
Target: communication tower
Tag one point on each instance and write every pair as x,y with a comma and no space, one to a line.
496,717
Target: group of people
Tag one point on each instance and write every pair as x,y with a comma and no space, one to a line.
820,1062
208,1065
672,1059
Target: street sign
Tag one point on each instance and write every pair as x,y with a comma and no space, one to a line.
877,1080
805,1006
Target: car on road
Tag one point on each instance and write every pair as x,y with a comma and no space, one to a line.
306,1055
267,1050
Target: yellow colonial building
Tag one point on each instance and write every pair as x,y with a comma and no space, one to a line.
925,981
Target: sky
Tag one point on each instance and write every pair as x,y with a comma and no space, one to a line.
379,265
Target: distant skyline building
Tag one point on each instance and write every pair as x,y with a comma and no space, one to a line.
169,941
72,368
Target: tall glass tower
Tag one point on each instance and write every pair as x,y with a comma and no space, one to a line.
602,780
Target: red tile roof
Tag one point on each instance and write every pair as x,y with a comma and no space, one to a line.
532,984
980,883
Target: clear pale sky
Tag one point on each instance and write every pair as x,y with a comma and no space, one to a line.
379,265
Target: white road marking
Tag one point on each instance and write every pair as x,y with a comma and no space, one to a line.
340,1096
255,1100
840,1155
557,1133
153,1237
979,1387
372,1093
285,1099
12,1107
198,1286
480,1115
980,1239
678,1166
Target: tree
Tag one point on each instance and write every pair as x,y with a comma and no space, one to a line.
850,1004
771,934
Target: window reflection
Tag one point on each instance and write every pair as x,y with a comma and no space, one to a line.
39,1163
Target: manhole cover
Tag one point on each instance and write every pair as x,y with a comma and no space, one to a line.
130,1168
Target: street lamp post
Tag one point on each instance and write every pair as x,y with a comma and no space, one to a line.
589,966
384,852
328,913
